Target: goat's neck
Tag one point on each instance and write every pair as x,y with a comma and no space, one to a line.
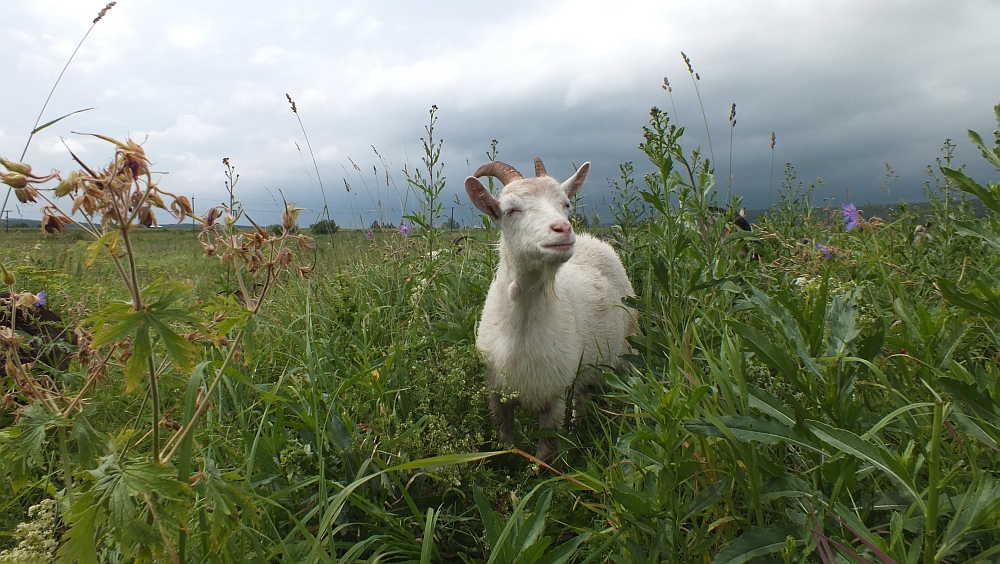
528,284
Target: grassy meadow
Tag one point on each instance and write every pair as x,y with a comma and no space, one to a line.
821,389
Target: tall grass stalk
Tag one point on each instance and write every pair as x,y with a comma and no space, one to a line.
325,214
35,128
695,79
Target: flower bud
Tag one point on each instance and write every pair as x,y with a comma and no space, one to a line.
26,195
68,185
15,180
20,168
6,276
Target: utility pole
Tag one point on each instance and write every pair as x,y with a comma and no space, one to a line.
6,220
451,224
193,228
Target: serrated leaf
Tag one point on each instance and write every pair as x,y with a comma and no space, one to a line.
138,363
79,542
90,443
756,542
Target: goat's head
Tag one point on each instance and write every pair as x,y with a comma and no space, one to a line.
533,213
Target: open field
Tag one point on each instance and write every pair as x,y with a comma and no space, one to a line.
831,396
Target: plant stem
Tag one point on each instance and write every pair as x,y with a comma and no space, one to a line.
179,437
933,490
67,471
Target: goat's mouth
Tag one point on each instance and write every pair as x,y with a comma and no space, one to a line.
560,247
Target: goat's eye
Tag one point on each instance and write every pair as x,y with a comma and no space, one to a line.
512,212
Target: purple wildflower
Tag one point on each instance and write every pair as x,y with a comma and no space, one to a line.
41,298
822,247
369,234
404,230
850,213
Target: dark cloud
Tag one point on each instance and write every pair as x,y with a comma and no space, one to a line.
846,87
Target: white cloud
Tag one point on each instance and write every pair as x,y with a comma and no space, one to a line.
187,129
187,37
55,145
267,55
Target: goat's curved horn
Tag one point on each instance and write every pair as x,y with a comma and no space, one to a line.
501,171
539,168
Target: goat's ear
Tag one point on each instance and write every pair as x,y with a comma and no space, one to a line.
574,183
482,198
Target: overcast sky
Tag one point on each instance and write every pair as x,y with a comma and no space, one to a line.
846,86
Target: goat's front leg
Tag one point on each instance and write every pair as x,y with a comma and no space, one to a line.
552,418
503,418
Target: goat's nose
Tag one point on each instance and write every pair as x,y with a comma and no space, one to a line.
561,227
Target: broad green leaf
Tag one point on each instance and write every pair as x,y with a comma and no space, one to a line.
707,498
757,542
980,430
786,486
987,196
770,405
748,428
987,154
565,551
877,456
977,229
534,525
874,543
486,513
978,510
767,352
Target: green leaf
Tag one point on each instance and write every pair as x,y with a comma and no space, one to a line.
767,352
427,547
785,486
79,542
987,196
57,120
977,229
770,405
747,428
875,455
487,514
756,542
707,498
565,551
89,442
987,154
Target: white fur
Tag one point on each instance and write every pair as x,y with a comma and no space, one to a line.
553,317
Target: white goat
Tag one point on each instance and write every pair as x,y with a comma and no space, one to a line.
554,312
